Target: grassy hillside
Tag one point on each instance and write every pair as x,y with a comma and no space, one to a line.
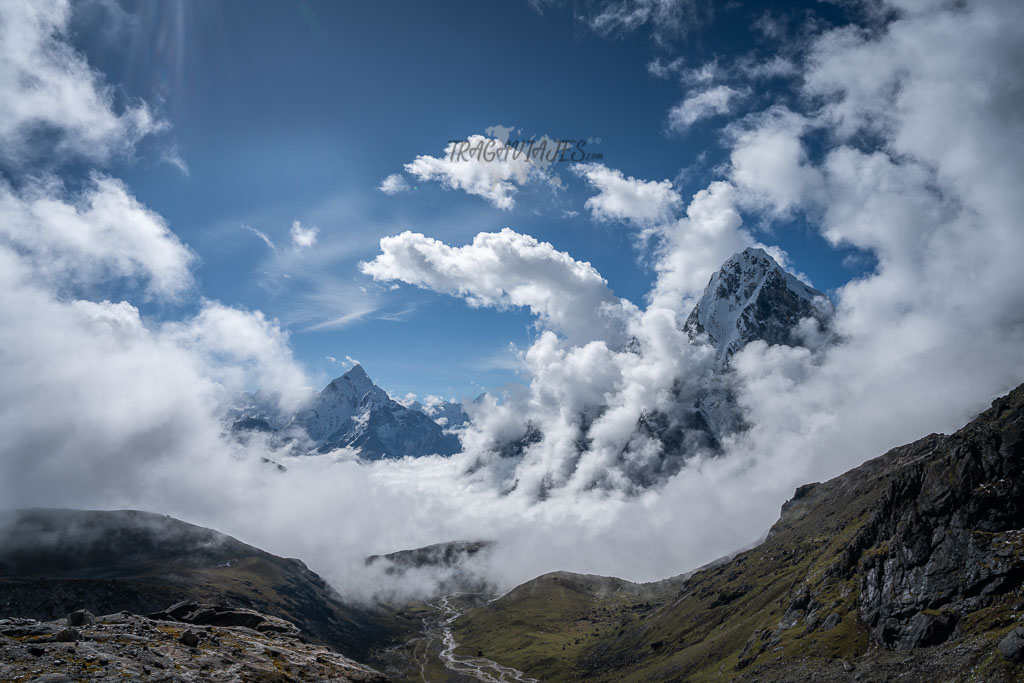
910,564
547,625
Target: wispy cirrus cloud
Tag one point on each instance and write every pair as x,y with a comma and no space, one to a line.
262,236
665,18
715,101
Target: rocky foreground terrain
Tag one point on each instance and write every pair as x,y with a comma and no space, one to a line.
187,642
53,562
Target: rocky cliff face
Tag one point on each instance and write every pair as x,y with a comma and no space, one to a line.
946,539
936,553
942,536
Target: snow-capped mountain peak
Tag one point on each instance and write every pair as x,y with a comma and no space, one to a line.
752,297
355,383
339,403
353,412
356,375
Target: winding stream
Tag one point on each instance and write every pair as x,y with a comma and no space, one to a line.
481,668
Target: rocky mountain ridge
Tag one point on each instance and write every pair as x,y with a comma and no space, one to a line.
449,568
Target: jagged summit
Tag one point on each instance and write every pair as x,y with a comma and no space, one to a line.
355,383
356,371
355,375
752,297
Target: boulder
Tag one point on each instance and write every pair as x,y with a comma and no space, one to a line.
82,617
189,638
68,635
1012,646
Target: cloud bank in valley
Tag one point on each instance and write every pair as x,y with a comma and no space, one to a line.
105,408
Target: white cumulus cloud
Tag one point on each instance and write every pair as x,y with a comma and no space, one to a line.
481,166
393,184
102,232
622,198
508,269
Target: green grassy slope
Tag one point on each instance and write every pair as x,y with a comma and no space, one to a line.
546,625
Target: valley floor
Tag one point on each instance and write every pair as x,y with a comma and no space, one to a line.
433,654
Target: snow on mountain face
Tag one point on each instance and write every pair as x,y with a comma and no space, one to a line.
392,431
448,414
340,402
354,412
751,297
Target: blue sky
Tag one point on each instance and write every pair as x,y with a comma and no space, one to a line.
286,111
